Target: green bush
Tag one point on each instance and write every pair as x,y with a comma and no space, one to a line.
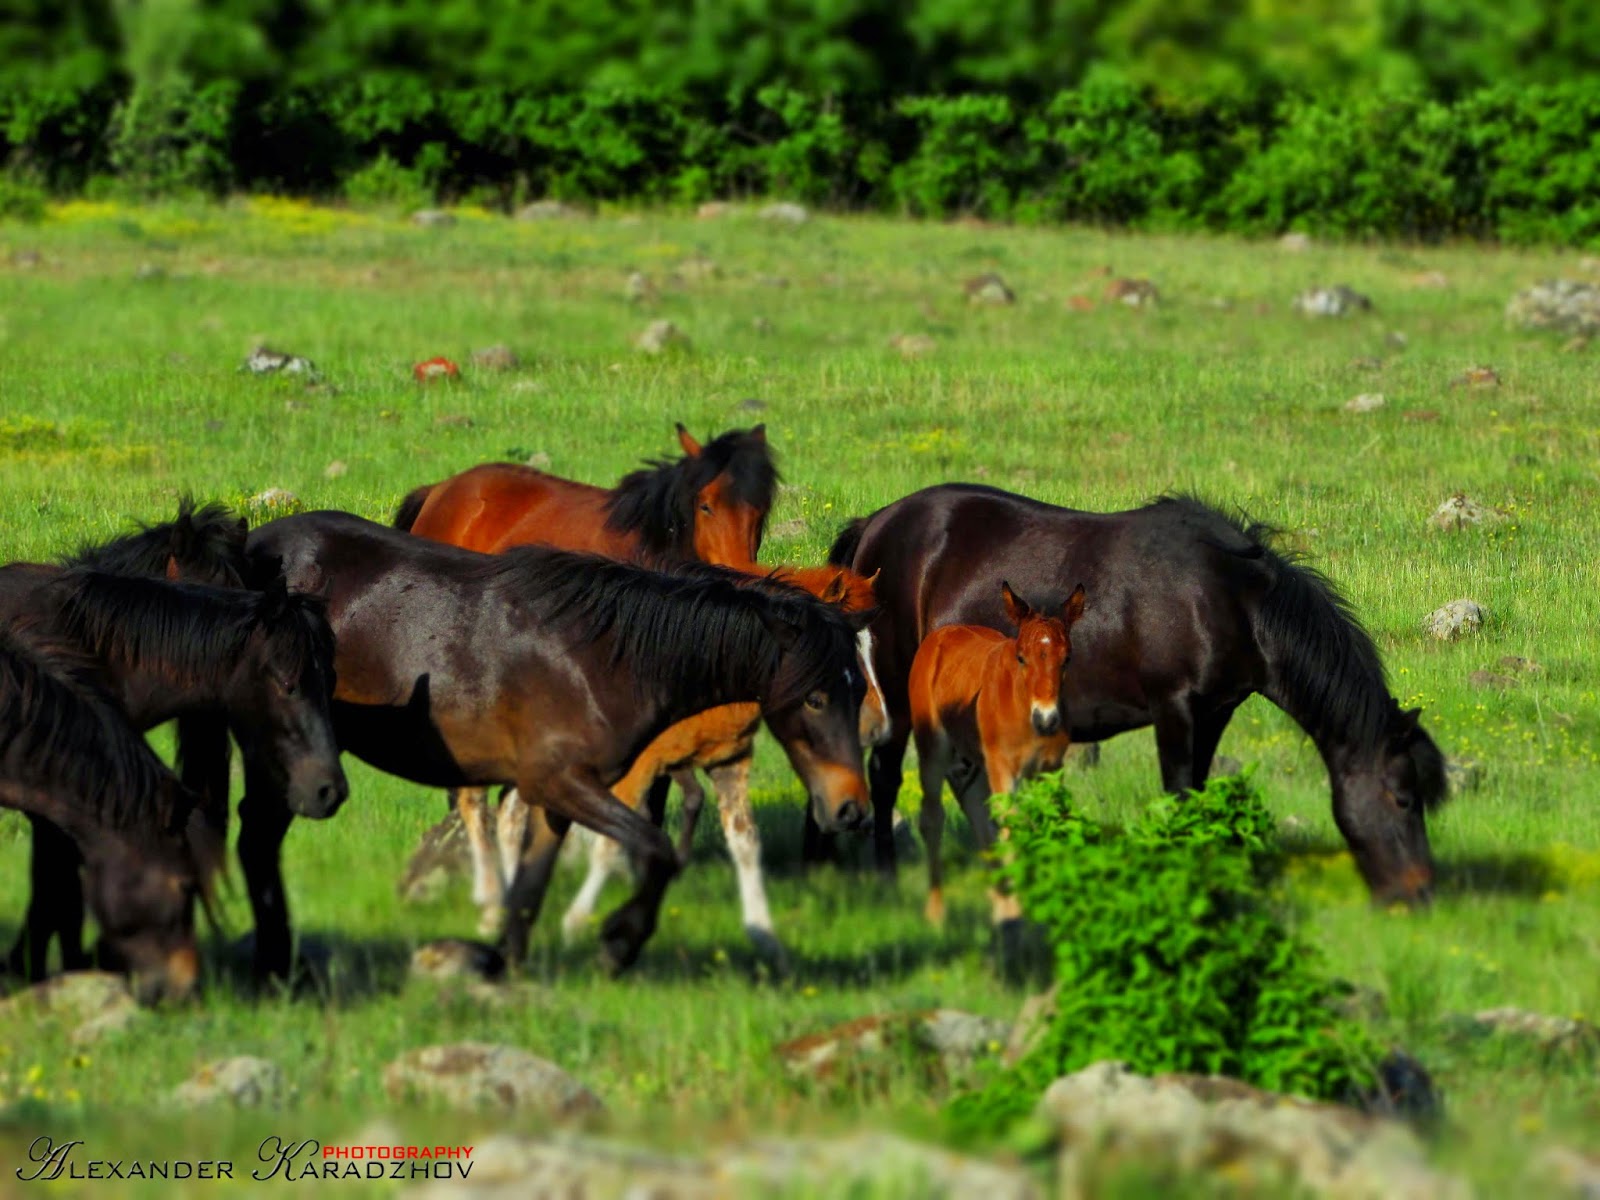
21,198
384,183
1170,952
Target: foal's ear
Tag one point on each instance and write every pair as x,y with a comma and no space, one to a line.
1406,722
759,433
836,590
1073,608
1016,607
686,440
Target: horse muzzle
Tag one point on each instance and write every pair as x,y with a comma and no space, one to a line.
1046,721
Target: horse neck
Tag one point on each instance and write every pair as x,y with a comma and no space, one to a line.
151,692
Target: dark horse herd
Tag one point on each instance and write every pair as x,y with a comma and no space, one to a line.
522,631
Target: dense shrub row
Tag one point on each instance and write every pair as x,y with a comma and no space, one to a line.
1514,163
1171,953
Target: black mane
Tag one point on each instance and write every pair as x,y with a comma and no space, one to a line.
685,633
207,542
191,630
1327,673
60,726
657,501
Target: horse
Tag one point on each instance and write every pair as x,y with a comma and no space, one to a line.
548,670
721,742
710,505
991,704
69,757
1194,611
261,660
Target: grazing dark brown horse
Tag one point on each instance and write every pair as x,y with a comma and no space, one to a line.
1192,612
261,660
709,505
70,758
549,671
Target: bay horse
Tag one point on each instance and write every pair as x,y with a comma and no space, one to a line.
991,705
68,757
262,661
710,505
1193,612
721,742
549,671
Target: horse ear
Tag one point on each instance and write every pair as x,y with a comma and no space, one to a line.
1406,722
275,597
836,589
785,633
759,433
1016,607
872,580
1072,610
686,440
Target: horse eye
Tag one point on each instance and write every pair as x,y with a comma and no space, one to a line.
817,701
1022,660
706,508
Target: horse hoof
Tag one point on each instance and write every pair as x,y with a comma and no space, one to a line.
617,954
491,922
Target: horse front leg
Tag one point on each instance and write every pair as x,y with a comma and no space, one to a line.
55,905
576,795
263,821
932,764
605,860
884,770
694,799
731,780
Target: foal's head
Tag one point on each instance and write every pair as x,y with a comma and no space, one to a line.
1043,649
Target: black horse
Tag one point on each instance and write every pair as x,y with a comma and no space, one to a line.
69,757
550,671
1190,613
262,661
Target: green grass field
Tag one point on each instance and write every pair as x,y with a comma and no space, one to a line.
123,329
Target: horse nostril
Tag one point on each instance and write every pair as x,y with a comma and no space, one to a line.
329,795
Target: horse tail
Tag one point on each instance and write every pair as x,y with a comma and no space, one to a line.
848,543
203,766
411,507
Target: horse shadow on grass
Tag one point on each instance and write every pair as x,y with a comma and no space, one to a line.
1516,873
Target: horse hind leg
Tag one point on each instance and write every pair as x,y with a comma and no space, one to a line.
694,799
488,888
931,767
605,860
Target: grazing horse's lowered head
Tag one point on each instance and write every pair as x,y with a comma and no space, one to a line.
852,593
711,504
203,544
68,755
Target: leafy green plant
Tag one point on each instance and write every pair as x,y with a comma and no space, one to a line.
1170,951
384,183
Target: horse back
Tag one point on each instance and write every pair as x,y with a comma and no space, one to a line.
495,506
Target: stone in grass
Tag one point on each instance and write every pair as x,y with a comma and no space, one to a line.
876,1164
472,1075
1461,511
1521,665
988,288
275,500
433,218
785,213
1108,1117
1364,403
1566,305
1336,301
1491,679
638,289
335,469
549,210
1134,293
263,360
1573,1171
1463,774
97,1004
1477,377
947,1039
1567,1035
659,337
498,357
240,1082
1454,620
913,345
457,958
1295,243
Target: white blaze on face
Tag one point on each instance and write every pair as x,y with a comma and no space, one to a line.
864,653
